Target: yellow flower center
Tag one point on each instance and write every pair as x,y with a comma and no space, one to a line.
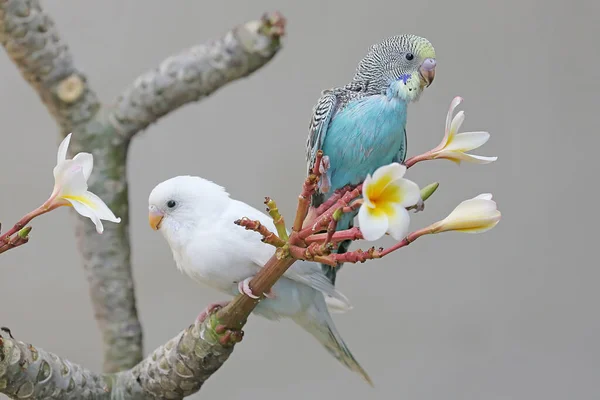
382,194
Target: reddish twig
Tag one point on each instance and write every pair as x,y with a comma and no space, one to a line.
21,238
43,209
323,220
339,236
267,236
308,189
6,237
355,205
337,214
334,198
361,255
310,253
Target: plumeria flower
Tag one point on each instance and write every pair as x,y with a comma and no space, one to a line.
70,187
475,215
455,145
386,195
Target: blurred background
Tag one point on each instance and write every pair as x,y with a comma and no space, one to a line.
509,314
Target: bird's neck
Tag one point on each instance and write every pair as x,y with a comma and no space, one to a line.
177,233
404,89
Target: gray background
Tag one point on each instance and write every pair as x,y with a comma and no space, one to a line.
510,314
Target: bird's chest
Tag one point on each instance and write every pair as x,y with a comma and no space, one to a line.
365,135
221,267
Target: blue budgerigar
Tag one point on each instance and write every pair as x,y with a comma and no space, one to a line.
362,125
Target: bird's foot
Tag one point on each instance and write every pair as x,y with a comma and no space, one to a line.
228,336
420,206
244,288
210,309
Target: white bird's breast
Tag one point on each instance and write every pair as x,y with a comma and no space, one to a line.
217,264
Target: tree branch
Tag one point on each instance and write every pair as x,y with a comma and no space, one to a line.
33,43
31,40
173,371
196,73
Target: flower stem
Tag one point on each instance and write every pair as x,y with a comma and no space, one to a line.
44,208
21,238
413,160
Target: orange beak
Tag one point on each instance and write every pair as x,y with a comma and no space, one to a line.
155,217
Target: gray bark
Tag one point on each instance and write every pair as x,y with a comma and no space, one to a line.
173,371
32,41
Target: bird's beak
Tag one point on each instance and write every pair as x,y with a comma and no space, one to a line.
155,217
427,71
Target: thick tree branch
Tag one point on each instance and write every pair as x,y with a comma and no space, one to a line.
173,371
31,40
196,73
33,43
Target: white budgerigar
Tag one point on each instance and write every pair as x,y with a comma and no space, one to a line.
196,218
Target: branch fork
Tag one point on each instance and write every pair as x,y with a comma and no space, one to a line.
313,238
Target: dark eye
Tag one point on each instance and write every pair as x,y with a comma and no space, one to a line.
410,56
171,203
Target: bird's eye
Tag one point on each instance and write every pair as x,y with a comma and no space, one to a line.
409,56
171,203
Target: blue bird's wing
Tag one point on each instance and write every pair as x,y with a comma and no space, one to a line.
401,156
323,112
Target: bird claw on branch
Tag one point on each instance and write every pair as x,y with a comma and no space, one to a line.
226,336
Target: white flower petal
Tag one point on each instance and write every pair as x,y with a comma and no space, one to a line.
458,156
484,228
484,196
472,158
62,149
100,208
72,181
473,215
375,185
455,102
86,161
391,172
411,193
60,169
398,222
91,206
85,211
455,126
467,141
373,223
366,183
